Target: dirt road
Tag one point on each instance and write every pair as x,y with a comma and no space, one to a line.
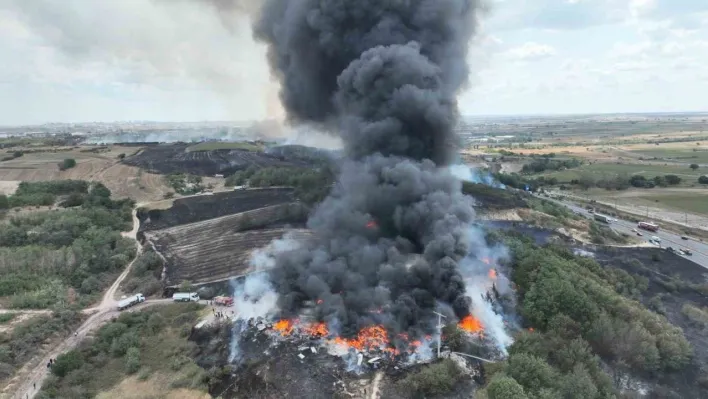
33,374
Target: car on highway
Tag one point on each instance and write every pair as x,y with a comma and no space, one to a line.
686,251
639,234
684,238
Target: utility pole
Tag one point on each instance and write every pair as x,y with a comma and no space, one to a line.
440,326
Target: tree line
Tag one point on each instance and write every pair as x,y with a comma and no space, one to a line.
64,257
583,317
311,185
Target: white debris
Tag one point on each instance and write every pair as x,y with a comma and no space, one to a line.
313,349
301,356
261,327
374,360
360,358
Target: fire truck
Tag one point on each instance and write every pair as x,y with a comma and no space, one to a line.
224,300
648,226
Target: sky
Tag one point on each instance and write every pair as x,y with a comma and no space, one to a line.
194,60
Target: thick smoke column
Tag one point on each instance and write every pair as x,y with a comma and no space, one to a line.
384,73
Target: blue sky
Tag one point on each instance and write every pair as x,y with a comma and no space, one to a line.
104,60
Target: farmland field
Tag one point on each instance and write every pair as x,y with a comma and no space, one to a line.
102,165
220,248
686,155
608,170
220,145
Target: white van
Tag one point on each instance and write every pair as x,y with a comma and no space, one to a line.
185,297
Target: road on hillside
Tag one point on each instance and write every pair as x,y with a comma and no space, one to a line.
668,239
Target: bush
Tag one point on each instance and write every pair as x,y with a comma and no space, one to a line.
434,379
67,362
132,360
67,164
703,179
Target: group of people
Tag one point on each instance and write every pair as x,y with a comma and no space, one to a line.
220,314
51,362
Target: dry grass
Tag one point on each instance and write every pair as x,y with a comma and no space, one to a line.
152,388
124,181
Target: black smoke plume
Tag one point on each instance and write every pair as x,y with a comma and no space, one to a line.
385,74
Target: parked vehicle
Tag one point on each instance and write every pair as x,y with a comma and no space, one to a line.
224,300
656,239
130,301
684,238
687,252
185,297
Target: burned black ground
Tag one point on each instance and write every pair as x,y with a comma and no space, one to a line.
673,281
174,158
205,207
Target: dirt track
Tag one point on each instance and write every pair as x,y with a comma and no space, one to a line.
35,371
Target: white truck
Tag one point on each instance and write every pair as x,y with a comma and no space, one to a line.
130,301
185,297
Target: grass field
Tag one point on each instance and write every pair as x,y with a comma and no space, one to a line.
218,145
609,170
686,155
693,203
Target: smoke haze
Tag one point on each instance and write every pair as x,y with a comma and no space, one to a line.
186,45
385,74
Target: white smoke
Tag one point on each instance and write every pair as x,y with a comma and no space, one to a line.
476,270
254,296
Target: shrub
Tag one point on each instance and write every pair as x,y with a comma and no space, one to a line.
67,362
67,164
435,379
505,388
132,360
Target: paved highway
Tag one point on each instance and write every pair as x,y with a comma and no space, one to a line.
668,239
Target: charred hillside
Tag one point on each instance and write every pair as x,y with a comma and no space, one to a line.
175,158
204,207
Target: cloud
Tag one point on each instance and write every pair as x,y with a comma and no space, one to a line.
179,45
530,51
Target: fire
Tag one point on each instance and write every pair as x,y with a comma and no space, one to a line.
470,324
487,260
285,327
493,274
316,330
369,338
319,301
372,224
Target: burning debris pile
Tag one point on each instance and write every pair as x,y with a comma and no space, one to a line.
394,244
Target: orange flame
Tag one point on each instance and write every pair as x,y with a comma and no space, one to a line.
316,330
369,338
493,274
371,224
470,324
319,301
285,327
530,329
487,260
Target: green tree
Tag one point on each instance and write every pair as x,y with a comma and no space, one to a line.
67,164
4,202
579,385
703,179
505,388
67,362
531,372
694,166
132,360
